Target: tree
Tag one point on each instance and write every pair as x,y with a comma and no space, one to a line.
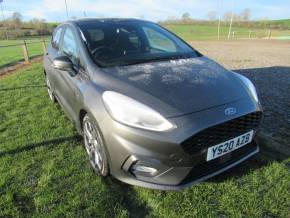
227,16
246,14
185,16
16,18
237,17
40,26
212,15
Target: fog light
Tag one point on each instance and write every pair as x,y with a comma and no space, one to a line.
138,169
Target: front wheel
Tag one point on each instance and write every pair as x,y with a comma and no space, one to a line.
95,147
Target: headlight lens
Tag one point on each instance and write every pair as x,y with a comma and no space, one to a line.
249,85
133,113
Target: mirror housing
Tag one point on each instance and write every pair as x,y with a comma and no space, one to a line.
63,63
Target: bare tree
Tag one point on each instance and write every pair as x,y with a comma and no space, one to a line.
246,14
171,17
39,25
185,16
227,16
243,16
237,17
263,22
212,15
16,18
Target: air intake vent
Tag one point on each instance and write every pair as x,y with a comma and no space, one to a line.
222,132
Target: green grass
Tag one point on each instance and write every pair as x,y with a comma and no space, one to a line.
284,23
209,32
187,32
45,173
13,54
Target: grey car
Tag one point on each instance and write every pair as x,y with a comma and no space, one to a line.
153,111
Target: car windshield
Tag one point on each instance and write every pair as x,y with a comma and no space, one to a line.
117,43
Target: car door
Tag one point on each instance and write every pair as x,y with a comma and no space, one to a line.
68,82
53,51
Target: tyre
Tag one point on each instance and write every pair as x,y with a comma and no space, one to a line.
94,146
49,90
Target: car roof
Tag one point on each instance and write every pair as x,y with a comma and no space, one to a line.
104,20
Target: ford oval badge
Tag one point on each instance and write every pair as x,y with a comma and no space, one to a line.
230,111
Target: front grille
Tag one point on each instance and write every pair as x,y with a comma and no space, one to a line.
206,168
221,132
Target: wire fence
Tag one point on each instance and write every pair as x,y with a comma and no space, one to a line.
191,32
12,51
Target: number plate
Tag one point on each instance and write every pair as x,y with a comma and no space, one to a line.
229,146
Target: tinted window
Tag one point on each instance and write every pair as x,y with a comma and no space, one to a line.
56,37
70,46
96,35
116,43
135,40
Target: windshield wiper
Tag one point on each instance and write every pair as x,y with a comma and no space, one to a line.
158,58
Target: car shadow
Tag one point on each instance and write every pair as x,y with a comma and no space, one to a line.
32,146
260,160
121,194
273,88
125,196
21,87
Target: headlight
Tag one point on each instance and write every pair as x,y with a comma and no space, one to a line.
249,85
133,113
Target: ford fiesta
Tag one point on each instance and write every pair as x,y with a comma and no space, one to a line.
153,111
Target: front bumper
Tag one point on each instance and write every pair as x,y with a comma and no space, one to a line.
189,181
176,168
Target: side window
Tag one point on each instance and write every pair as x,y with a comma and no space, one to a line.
96,35
159,41
134,39
96,38
69,46
56,38
128,39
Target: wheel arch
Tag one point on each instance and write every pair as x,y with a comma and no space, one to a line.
82,114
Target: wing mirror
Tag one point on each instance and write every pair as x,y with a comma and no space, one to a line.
63,63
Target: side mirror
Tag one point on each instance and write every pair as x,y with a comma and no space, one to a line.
63,63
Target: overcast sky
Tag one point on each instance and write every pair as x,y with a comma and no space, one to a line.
155,10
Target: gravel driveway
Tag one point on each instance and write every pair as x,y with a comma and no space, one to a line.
267,64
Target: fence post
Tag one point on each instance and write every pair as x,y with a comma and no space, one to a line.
25,53
43,46
250,33
269,34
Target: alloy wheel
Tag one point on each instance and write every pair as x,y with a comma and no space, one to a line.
93,146
49,90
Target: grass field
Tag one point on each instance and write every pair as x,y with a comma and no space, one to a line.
187,32
209,32
285,23
13,54
45,173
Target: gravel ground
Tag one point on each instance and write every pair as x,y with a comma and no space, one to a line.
267,64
